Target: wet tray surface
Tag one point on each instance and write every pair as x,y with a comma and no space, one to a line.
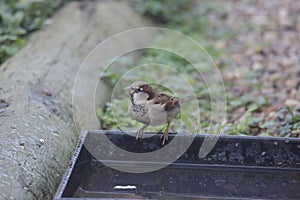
236,168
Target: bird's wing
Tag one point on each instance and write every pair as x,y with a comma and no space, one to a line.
169,102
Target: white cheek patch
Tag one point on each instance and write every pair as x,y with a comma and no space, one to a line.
140,98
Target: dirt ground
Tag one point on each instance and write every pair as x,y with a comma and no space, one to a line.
263,61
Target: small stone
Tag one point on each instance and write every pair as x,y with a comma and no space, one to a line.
287,141
42,141
286,62
291,83
275,77
296,133
21,143
272,114
257,66
270,36
292,103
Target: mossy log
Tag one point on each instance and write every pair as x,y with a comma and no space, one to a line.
37,130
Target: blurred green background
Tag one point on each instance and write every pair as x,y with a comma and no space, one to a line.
20,18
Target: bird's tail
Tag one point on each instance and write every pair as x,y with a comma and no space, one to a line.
189,98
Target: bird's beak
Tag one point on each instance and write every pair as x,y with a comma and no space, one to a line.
128,90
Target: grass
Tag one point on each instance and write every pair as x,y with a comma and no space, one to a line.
193,20
20,18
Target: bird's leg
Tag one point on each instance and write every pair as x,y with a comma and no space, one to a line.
140,131
166,134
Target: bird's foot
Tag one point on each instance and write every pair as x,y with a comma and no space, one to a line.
165,137
138,134
140,131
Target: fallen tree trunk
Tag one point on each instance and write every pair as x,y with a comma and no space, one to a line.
37,132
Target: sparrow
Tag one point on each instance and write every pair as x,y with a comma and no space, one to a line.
152,107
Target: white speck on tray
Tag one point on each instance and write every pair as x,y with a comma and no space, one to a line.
124,187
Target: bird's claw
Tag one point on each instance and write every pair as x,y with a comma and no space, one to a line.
165,137
138,133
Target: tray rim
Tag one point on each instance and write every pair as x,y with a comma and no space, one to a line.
69,170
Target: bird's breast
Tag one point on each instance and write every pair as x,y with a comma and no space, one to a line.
148,114
138,112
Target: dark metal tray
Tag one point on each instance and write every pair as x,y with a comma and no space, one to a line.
238,167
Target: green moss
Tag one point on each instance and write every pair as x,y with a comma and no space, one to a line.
20,18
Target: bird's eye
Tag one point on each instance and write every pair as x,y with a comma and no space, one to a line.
137,90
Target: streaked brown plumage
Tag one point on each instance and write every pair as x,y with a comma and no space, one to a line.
152,107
